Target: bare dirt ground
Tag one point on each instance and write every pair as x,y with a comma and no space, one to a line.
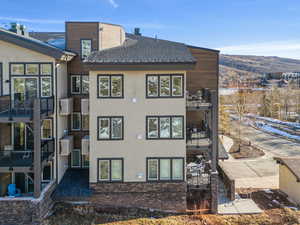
273,215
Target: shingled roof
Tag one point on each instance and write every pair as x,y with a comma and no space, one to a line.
292,163
143,50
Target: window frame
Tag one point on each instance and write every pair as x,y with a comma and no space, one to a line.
171,169
110,128
38,76
110,180
79,129
80,92
171,127
110,76
82,128
85,39
171,76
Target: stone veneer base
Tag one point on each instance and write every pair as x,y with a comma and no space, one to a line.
26,211
164,196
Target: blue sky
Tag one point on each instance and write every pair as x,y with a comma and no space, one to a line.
256,27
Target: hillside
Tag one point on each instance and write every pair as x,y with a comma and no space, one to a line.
246,66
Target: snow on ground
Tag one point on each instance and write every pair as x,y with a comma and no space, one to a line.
289,124
270,129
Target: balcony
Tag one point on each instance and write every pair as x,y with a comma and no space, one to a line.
24,158
66,145
197,141
22,111
85,145
201,100
66,106
85,108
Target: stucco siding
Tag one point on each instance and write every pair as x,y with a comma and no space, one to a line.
110,36
288,183
133,150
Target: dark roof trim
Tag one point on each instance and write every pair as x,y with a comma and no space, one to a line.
207,49
34,44
137,67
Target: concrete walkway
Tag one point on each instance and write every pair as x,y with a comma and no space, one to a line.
239,206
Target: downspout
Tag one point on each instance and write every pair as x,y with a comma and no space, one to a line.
56,122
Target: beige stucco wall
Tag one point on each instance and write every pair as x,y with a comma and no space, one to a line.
110,36
133,150
288,183
13,53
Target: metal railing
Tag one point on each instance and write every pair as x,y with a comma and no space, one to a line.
25,157
16,108
198,99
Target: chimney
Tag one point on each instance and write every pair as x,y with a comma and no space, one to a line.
137,31
18,29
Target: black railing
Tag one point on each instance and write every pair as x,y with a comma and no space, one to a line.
24,108
25,158
199,98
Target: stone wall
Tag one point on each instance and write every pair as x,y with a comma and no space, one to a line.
163,196
26,211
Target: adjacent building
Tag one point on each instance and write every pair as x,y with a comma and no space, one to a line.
134,117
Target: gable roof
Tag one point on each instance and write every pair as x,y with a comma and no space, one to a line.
35,45
292,163
143,50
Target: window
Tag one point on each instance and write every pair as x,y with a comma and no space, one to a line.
110,128
17,69
86,48
75,158
46,69
79,84
164,127
85,84
75,84
76,121
110,86
85,122
110,170
47,173
164,85
32,69
165,169
47,129
85,161
46,87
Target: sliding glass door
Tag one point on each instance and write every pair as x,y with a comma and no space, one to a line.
22,137
24,89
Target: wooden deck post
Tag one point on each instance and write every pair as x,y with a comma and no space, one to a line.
214,152
37,147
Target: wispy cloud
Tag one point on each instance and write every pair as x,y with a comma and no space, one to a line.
113,3
41,21
288,48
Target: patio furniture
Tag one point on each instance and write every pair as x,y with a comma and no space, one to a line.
13,191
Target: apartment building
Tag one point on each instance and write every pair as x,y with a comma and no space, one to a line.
134,117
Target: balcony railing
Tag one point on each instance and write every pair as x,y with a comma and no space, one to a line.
199,100
197,139
25,158
24,108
